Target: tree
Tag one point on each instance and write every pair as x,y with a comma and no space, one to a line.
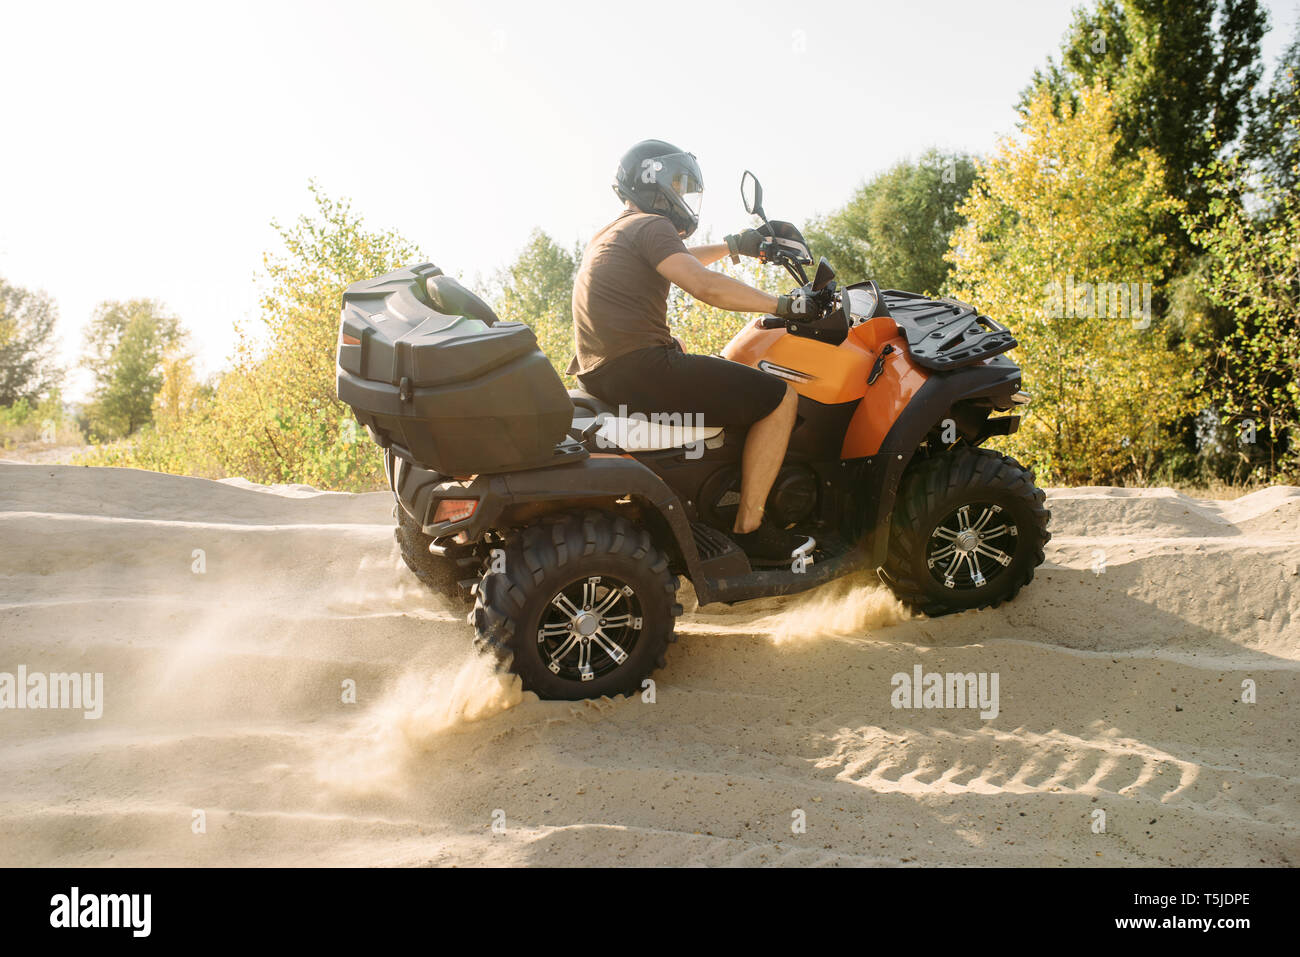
1061,233
276,416
1254,272
896,227
125,344
28,369
1181,74
1273,141
537,289
181,397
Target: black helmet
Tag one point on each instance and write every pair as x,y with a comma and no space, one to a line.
657,177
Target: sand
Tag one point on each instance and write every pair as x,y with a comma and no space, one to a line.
225,738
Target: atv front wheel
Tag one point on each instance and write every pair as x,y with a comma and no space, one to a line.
441,575
967,532
583,605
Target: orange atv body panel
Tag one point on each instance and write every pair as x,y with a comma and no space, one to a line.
838,374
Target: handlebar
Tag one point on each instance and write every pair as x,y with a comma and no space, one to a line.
784,245
781,251
820,303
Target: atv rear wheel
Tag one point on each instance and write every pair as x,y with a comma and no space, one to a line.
583,605
441,575
967,532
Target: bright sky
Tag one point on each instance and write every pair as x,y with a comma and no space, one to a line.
148,146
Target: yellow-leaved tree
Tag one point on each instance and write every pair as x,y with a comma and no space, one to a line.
537,289
1062,243
277,416
274,416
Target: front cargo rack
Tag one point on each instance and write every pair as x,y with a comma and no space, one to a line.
944,334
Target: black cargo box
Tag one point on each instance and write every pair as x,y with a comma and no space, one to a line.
434,374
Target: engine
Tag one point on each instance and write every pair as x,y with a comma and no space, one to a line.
792,499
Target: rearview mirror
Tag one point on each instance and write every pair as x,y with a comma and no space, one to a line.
751,193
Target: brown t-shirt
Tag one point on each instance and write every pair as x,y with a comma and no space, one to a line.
620,303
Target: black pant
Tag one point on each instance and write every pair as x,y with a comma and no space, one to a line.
718,392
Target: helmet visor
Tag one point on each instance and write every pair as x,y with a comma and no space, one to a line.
688,188
684,180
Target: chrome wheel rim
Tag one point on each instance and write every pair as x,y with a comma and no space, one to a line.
972,546
589,628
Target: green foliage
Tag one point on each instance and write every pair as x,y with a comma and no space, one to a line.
1273,140
1254,272
1181,74
125,344
27,348
44,422
274,417
1055,210
896,227
537,289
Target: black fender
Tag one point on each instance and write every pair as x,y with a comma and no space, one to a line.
998,376
590,481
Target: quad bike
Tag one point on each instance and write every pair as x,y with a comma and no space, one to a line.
567,525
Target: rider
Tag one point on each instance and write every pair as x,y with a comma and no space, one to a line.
626,354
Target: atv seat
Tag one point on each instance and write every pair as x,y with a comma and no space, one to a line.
587,409
588,404
599,421
645,434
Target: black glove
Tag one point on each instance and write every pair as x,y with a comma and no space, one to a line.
744,244
797,306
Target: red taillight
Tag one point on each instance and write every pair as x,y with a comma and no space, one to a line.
350,340
454,510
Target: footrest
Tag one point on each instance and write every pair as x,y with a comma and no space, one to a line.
720,557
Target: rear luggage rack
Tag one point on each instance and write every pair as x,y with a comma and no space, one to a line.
432,373
945,334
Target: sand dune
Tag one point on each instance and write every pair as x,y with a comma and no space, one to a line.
1120,668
